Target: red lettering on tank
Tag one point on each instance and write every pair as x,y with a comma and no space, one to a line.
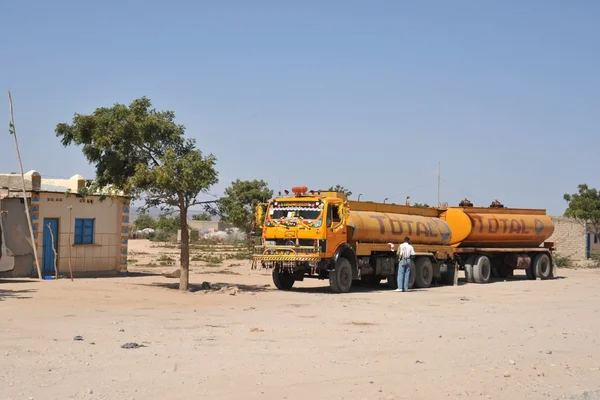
396,226
515,227
524,228
492,230
479,221
409,225
379,219
422,229
504,224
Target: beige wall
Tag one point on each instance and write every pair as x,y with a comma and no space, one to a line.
102,256
570,238
594,247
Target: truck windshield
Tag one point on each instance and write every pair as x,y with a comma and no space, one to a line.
308,211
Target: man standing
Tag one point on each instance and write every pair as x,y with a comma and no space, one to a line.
405,253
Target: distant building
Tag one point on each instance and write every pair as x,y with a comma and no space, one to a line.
574,240
91,232
198,229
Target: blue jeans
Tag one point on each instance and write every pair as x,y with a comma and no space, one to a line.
403,274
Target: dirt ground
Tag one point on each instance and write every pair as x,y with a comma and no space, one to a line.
244,339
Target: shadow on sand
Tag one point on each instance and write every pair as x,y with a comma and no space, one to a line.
212,286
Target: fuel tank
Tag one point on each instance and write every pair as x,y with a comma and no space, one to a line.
380,227
498,228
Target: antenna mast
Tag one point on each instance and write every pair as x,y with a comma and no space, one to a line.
439,178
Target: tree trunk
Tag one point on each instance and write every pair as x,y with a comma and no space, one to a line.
185,247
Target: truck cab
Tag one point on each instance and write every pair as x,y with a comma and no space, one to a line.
304,235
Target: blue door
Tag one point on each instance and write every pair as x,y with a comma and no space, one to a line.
50,245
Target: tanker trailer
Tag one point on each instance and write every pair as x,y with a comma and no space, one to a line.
372,231
495,241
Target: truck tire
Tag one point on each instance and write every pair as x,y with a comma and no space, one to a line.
371,280
482,269
283,280
542,266
469,268
447,271
392,280
413,274
530,272
340,279
505,271
423,272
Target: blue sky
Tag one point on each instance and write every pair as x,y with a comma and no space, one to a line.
370,95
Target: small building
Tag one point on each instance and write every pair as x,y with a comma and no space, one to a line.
574,240
88,232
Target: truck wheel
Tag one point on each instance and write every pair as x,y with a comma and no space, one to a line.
423,272
482,269
283,280
469,268
448,271
542,266
413,275
340,279
530,272
371,280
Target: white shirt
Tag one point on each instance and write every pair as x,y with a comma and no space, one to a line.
405,251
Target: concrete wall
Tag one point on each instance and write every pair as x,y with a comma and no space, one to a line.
101,258
570,238
17,237
594,244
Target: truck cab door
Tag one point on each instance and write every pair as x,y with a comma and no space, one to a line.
336,228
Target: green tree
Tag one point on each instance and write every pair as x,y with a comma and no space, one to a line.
584,207
143,152
340,189
168,224
239,203
143,221
202,217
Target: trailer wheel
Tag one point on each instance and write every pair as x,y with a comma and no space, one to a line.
283,280
482,269
542,266
340,279
423,272
469,268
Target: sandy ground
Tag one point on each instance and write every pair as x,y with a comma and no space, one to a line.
506,340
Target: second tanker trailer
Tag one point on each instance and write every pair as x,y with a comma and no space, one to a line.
323,235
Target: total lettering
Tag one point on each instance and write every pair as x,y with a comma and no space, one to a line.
409,227
506,226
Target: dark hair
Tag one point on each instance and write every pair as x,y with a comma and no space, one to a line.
407,239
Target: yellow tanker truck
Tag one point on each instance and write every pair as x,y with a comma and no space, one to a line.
323,235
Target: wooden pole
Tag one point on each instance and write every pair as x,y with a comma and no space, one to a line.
14,134
69,246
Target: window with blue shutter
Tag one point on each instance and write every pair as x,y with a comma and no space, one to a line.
84,231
